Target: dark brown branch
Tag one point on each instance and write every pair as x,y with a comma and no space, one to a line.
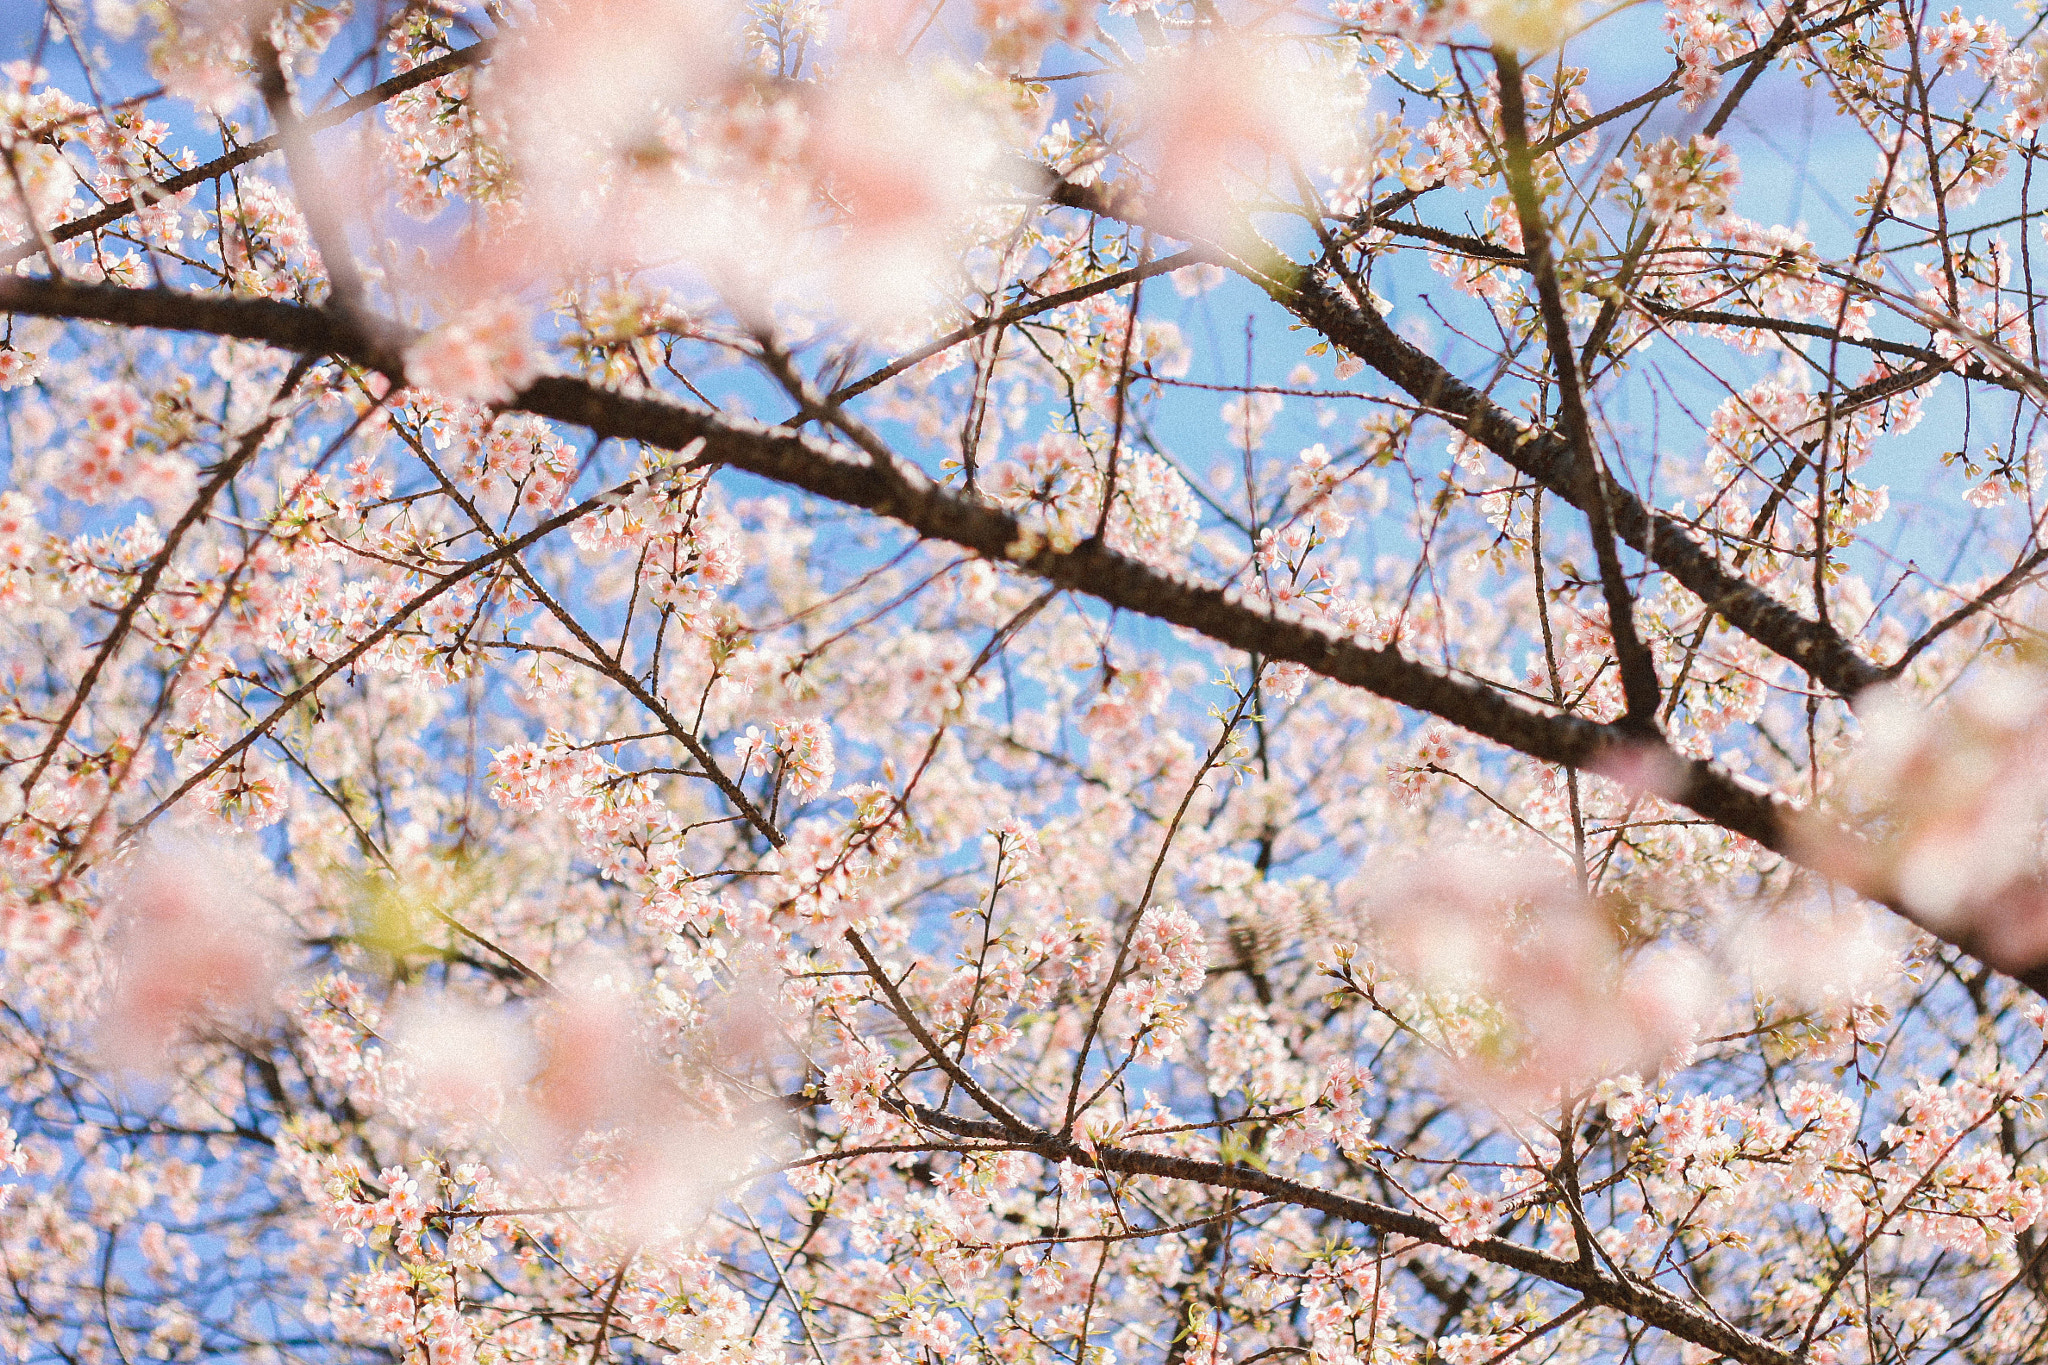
1543,455
1546,457
903,493
1480,249
603,664
1639,685
1166,265
1642,1301
1926,355
1756,56
1006,1120
2008,582
1460,242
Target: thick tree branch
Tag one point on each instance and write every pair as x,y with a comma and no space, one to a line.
1817,649
904,494
1543,455
1638,1299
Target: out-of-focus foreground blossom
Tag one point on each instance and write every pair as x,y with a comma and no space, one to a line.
1528,25
1820,961
190,948
1950,801
202,49
570,1089
854,191
484,355
1523,977
1219,122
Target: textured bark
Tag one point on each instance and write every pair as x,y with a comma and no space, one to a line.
904,494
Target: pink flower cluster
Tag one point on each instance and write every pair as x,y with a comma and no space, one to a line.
1060,481
1684,182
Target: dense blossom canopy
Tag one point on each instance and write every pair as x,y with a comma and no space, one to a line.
1031,682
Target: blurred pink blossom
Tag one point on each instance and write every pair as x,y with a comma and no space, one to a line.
189,945
1020,30
882,25
465,1061
485,355
671,1146
1817,959
47,181
573,1086
1528,977
202,50
849,192
1644,770
569,69
898,158
1951,802
1219,119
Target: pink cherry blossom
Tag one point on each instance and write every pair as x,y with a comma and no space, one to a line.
1014,679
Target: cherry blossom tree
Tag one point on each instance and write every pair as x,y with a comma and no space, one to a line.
1040,682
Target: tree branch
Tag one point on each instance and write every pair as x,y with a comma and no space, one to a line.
1637,1299
1639,685
904,494
1543,455
156,191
